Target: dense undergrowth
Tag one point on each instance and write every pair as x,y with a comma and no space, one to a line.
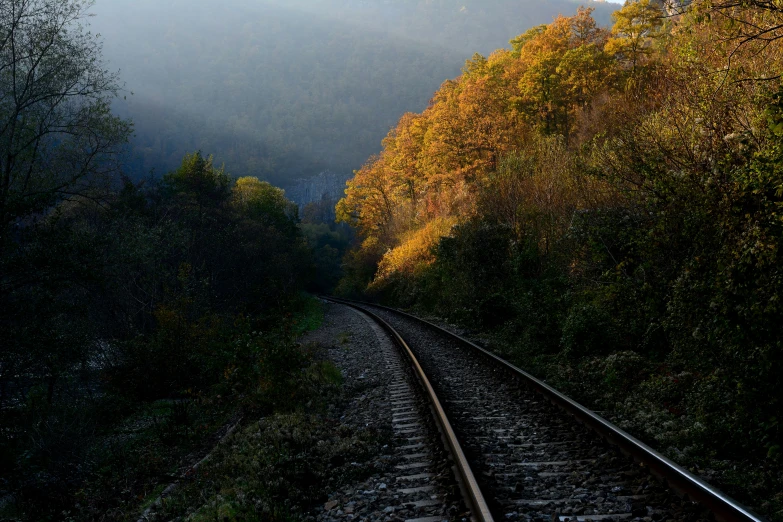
138,319
276,469
280,465
136,328
605,206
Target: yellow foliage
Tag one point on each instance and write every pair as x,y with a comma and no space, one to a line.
414,253
531,136
636,26
434,164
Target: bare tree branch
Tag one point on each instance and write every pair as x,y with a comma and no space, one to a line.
57,134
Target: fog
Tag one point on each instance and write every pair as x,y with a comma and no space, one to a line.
288,88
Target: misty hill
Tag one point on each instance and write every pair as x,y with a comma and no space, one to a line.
466,26
285,90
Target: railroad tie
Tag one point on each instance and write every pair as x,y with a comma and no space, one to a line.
417,476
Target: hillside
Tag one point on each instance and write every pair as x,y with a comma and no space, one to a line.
287,90
603,208
466,26
599,206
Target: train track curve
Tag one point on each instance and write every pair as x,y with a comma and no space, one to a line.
518,451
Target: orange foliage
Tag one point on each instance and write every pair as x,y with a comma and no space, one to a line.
414,253
433,164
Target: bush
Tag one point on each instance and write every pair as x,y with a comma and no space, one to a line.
588,330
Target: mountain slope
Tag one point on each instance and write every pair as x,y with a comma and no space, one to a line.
286,92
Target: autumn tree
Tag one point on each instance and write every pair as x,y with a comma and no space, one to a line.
520,41
562,68
403,148
636,26
481,128
369,202
432,163
585,30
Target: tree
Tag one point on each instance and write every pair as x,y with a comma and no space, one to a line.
198,182
520,41
585,29
57,135
636,25
585,71
262,201
404,145
58,139
758,21
563,68
369,200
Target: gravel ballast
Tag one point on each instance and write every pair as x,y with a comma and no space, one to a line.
412,478
532,460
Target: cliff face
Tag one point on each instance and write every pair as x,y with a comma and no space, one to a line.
327,185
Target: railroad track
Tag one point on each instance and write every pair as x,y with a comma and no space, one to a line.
519,453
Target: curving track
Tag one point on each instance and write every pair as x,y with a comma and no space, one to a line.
526,458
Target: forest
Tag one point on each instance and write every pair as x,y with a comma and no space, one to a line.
597,201
602,207
139,318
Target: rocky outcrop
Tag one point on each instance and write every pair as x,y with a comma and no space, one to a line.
326,185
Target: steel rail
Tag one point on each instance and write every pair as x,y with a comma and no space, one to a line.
475,498
675,477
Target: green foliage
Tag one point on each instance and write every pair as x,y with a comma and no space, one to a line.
588,329
276,470
197,183
328,241
310,312
469,273
261,201
136,327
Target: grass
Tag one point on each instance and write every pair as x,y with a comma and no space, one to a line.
135,449
141,458
276,469
309,314
280,467
344,337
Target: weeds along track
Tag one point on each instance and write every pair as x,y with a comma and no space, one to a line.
537,455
